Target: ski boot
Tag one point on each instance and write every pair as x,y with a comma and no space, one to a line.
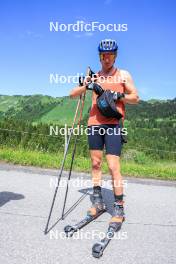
118,216
98,206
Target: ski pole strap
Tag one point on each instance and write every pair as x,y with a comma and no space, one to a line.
89,73
81,80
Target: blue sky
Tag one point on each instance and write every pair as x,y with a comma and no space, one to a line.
29,52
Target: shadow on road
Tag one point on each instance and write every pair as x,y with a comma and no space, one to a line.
108,198
6,197
66,213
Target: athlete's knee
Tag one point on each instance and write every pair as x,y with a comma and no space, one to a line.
114,169
96,164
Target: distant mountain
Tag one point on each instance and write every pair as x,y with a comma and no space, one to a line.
60,110
154,109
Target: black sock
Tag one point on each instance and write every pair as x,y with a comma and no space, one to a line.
97,189
118,198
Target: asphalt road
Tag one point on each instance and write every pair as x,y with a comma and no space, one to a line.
148,235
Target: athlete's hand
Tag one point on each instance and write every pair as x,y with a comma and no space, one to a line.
117,96
96,88
89,79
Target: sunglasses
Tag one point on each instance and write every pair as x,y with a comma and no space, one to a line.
110,56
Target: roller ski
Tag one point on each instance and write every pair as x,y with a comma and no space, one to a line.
114,226
97,209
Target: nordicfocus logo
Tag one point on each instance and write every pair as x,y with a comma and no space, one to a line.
56,78
81,26
84,130
91,235
81,182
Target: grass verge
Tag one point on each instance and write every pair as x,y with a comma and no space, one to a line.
165,170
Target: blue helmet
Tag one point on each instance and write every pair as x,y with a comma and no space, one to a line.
107,45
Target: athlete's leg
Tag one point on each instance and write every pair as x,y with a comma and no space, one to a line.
96,146
114,169
96,161
113,144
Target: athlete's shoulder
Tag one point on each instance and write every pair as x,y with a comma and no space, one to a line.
125,75
124,72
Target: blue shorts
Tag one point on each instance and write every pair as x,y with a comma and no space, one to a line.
108,136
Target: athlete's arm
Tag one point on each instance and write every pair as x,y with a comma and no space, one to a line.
78,90
131,95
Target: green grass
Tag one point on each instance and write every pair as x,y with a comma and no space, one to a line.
165,170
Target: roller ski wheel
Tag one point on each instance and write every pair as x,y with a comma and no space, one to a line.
114,226
71,229
97,209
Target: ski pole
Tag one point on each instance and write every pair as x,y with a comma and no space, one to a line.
62,166
89,73
72,159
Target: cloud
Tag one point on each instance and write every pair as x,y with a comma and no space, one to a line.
84,34
81,18
30,34
88,34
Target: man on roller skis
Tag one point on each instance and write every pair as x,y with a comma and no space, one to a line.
118,85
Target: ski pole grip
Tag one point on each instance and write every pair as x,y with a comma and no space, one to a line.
81,80
91,74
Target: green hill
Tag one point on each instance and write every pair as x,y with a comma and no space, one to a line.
151,124
60,110
40,108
